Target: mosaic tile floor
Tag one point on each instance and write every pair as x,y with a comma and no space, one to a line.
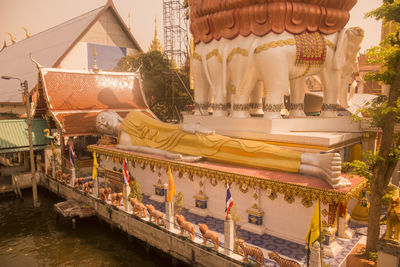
271,243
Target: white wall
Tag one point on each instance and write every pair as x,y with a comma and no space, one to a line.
281,219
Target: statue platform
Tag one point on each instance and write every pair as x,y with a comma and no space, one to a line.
309,133
276,203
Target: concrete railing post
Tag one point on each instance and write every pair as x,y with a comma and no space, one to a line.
228,235
73,176
315,259
169,210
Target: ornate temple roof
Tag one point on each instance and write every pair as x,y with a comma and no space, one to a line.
49,48
156,44
74,98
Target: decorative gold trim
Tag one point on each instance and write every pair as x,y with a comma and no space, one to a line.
214,53
307,202
326,195
201,196
304,73
197,57
215,181
255,211
324,212
274,44
330,44
289,198
235,51
244,187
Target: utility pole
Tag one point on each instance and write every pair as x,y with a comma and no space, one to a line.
24,86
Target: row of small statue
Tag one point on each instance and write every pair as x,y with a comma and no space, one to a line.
158,217
81,183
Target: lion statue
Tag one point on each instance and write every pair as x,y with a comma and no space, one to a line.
138,207
185,225
156,214
208,234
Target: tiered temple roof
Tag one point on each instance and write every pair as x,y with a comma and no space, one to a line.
74,98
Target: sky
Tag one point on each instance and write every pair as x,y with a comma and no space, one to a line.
39,15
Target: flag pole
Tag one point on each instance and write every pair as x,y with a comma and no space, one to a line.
320,229
308,249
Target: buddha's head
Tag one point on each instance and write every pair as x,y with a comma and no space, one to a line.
108,122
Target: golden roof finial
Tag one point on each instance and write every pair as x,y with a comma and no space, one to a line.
155,27
4,46
27,33
155,44
94,67
13,39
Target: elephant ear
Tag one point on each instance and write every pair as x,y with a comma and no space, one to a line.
339,59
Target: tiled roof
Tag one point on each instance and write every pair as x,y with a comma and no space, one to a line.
74,98
14,134
46,47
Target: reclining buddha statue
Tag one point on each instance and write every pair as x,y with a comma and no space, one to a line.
141,133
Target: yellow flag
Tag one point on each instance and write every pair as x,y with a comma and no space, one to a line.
52,145
94,172
171,185
315,226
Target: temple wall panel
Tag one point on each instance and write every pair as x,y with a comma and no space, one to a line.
282,217
77,58
107,31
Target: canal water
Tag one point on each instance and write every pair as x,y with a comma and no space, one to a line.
30,237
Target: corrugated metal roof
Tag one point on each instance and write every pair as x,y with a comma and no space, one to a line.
46,47
14,134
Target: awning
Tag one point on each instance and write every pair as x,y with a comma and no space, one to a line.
14,135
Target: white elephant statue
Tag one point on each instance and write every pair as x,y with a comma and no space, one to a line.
345,65
232,68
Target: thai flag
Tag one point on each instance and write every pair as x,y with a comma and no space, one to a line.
72,154
126,173
229,201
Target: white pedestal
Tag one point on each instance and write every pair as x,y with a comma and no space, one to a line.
73,176
332,250
228,236
343,230
169,213
315,257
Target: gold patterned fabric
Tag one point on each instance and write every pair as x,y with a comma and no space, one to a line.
310,49
145,131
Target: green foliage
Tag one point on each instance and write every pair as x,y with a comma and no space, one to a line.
362,168
387,55
136,190
388,195
373,256
178,203
164,85
389,11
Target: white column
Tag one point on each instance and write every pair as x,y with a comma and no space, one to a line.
169,213
228,235
315,259
72,176
127,191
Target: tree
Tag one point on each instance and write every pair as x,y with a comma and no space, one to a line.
156,72
384,114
